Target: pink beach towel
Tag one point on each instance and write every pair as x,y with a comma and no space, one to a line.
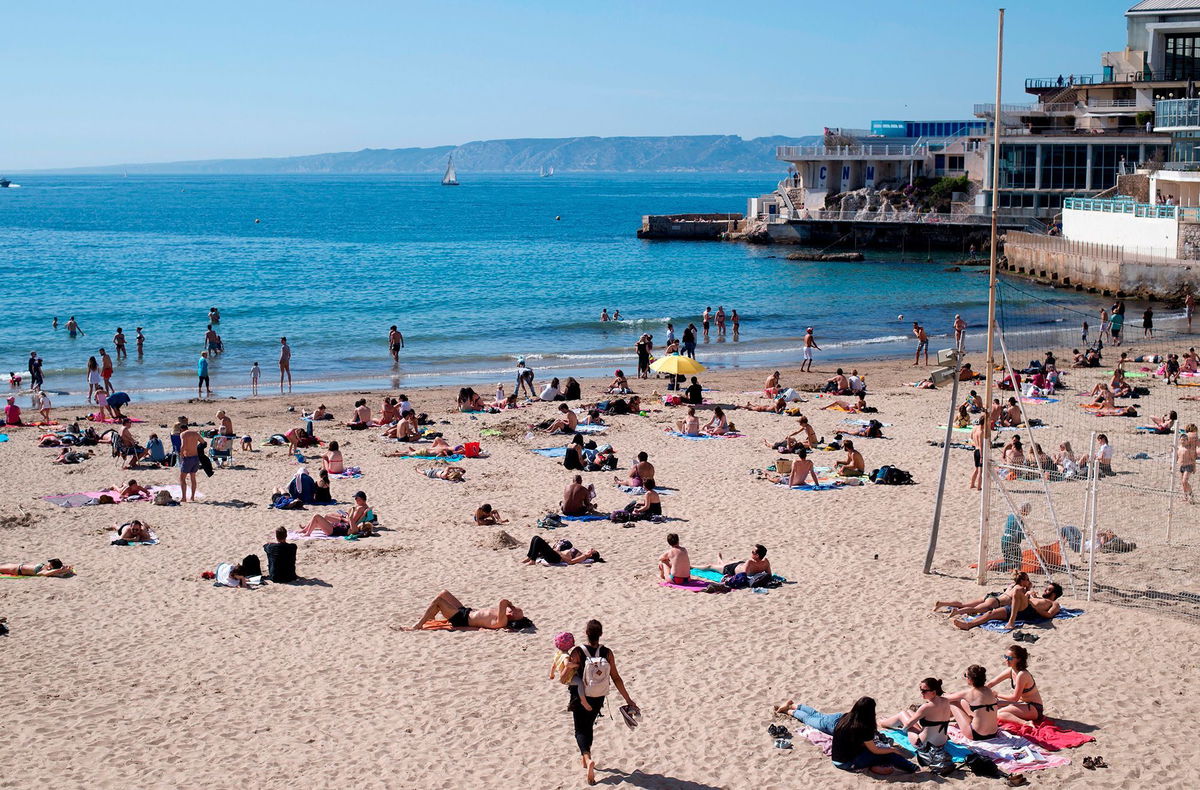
1048,735
691,585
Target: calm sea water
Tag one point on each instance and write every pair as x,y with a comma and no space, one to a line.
504,265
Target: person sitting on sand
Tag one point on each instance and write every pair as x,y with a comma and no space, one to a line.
320,413
650,506
551,391
758,563
778,406
132,490
690,425
561,552
352,523
388,411
1102,395
1010,415
992,600
1025,703
929,724
53,567
503,615
772,387
838,384
674,565
694,394
322,492
804,436
566,422
453,474
301,486
362,416
233,575
1119,385
281,558
974,402
718,425
852,465
975,707
802,469
486,516
573,458
332,461
1030,608
962,419
469,400
577,498
1013,453
406,430
855,748
12,413
134,532
620,384
1166,423
642,470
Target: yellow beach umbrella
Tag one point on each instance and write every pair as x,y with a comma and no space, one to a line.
676,364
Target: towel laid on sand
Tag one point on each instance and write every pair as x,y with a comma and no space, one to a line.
864,423
448,458
589,517
93,497
691,585
351,473
1028,399
551,452
639,491
715,576
1048,735
590,430
1011,753
998,625
153,540
707,436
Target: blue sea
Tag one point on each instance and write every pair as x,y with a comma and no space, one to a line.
475,276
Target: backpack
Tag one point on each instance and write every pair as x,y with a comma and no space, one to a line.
935,758
594,680
891,476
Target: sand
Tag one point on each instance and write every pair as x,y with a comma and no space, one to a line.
137,673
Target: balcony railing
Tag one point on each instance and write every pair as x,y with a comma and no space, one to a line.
1067,81
1122,205
792,153
1106,104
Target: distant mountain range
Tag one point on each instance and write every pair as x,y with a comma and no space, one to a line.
698,153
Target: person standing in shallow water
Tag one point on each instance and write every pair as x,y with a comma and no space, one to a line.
395,342
285,363
589,669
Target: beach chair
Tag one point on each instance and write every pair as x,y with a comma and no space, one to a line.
220,450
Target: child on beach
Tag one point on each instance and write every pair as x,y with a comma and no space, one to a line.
1085,331
254,373
564,642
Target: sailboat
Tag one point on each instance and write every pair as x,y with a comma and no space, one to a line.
546,173
450,179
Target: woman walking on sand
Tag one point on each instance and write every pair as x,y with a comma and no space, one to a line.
589,669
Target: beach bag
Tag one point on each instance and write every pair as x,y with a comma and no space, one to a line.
737,581
596,670
471,449
935,758
783,466
620,516
163,497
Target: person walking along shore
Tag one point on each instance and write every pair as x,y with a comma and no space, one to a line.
589,669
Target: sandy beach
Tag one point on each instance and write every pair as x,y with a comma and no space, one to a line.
138,673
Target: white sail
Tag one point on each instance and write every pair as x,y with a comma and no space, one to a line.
450,179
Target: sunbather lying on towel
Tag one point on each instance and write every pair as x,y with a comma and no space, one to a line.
1030,608
502,615
133,531
454,474
440,448
778,406
562,551
993,600
758,563
48,568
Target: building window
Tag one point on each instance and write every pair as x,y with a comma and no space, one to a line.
956,162
1064,167
1106,160
1018,166
1182,60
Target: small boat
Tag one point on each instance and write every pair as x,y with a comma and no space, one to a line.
5,183
450,179
542,172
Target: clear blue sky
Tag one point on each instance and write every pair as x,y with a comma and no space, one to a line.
87,83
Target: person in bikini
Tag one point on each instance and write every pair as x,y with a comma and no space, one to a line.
689,426
1031,609
1024,704
454,474
53,567
353,523
457,615
793,441
643,470
993,600
974,708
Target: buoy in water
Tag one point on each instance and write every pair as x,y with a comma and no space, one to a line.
900,317
557,217
257,221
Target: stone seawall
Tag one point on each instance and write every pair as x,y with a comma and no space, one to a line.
1098,269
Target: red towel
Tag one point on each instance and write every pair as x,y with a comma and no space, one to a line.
1048,735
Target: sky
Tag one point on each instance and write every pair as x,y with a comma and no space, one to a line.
86,83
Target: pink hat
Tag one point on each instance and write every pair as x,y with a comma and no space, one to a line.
564,641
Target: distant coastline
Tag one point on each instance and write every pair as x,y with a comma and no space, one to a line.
668,154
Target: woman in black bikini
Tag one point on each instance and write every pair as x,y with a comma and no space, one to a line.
1024,704
929,724
975,708
48,568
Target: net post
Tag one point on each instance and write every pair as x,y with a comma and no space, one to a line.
1171,471
937,505
1095,464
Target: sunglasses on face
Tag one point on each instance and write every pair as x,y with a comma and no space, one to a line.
926,691
1009,658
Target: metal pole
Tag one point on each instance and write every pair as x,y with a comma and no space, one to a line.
937,504
985,499
1095,464
1171,471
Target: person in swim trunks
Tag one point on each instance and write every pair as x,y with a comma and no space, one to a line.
457,615
675,564
189,462
395,342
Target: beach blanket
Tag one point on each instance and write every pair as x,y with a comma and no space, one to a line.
1151,429
37,424
1048,735
715,576
351,473
998,625
106,420
153,541
551,452
93,497
639,491
691,585
588,517
707,436
1011,753
449,458
810,487
1025,399
3,437
318,536
957,751
590,430
864,423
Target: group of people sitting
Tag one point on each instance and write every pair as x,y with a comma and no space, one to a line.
717,425
978,710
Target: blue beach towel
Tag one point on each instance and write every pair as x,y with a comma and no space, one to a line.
590,517
958,753
452,458
997,626
715,576
3,437
551,452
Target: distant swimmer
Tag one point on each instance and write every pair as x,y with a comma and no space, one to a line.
395,342
558,218
214,315
140,338
73,328
616,315
54,324
604,315
257,221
